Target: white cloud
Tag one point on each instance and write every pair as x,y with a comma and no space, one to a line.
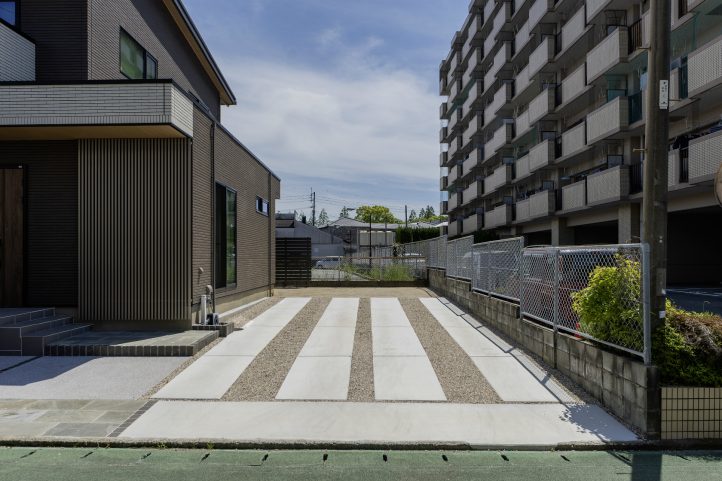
355,123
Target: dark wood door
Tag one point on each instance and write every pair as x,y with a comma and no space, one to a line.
11,237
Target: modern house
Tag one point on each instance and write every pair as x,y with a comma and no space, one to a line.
356,233
323,244
123,196
542,125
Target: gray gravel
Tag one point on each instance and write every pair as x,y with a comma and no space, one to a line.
361,385
459,377
264,376
245,316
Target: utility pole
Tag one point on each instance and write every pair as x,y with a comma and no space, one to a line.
654,207
313,208
406,215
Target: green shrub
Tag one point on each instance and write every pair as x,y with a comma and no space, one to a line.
404,235
609,308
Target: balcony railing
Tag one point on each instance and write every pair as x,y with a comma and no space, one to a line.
543,104
541,155
453,226
608,185
454,90
594,7
454,173
471,161
500,177
704,157
453,202
472,192
489,10
472,223
522,37
522,123
521,168
607,120
17,56
574,83
522,80
541,204
610,52
501,97
574,195
453,147
573,29
443,183
541,56
704,67
537,11
501,137
498,217
474,128
574,139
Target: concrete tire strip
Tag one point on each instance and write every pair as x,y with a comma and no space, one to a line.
505,370
322,370
215,372
402,370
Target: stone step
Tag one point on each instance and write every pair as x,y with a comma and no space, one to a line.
34,343
14,315
12,334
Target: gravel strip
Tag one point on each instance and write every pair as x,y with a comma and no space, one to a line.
361,385
264,376
180,369
245,316
459,377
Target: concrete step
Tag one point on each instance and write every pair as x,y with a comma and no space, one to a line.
34,343
11,334
14,315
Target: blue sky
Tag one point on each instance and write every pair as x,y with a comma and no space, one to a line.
336,95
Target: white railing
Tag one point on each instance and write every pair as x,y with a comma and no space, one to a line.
574,84
500,98
574,195
498,217
474,127
704,157
471,224
471,162
474,95
471,193
453,174
542,105
574,139
522,36
594,7
538,205
499,139
522,80
541,155
608,119
573,29
537,11
500,177
489,10
522,123
608,185
453,202
541,56
609,52
704,67
521,168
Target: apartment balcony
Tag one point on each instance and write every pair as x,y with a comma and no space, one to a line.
574,140
17,56
88,110
489,11
573,30
678,168
444,207
443,85
443,182
595,7
500,59
537,11
454,90
453,119
501,176
443,158
501,98
542,105
704,157
522,123
453,228
609,119
704,68
498,217
609,185
502,16
472,161
443,134
475,94
472,223
574,196
541,56
453,202
541,155
574,85
541,204
522,81
454,148
522,37
501,137
610,52
475,27
443,110
472,192
521,168
473,130
471,69
454,174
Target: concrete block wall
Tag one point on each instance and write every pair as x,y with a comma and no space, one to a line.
622,384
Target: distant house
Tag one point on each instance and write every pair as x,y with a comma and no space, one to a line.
323,243
356,233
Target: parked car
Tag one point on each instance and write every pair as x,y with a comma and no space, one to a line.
329,263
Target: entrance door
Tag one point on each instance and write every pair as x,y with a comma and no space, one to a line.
11,237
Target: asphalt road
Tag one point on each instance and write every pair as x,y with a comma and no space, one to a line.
78,464
697,298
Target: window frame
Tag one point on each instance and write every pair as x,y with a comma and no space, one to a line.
15,25
263,202
221,244
147,56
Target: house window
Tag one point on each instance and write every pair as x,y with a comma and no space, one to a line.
225,220
9,12
135,61
262,206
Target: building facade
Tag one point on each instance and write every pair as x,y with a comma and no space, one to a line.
543,119
124,197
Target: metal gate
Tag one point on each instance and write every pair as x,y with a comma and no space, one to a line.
293,262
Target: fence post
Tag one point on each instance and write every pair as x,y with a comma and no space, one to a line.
646,319
556,291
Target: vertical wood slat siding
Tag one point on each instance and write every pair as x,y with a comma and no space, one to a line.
202,205
134,230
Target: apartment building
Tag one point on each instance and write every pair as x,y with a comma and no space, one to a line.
542,125
123,196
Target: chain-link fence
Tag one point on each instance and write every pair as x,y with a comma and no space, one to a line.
553,283
433,250
497,266
459,258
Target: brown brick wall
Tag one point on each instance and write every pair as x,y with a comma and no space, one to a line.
60,31
51,218
151,25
